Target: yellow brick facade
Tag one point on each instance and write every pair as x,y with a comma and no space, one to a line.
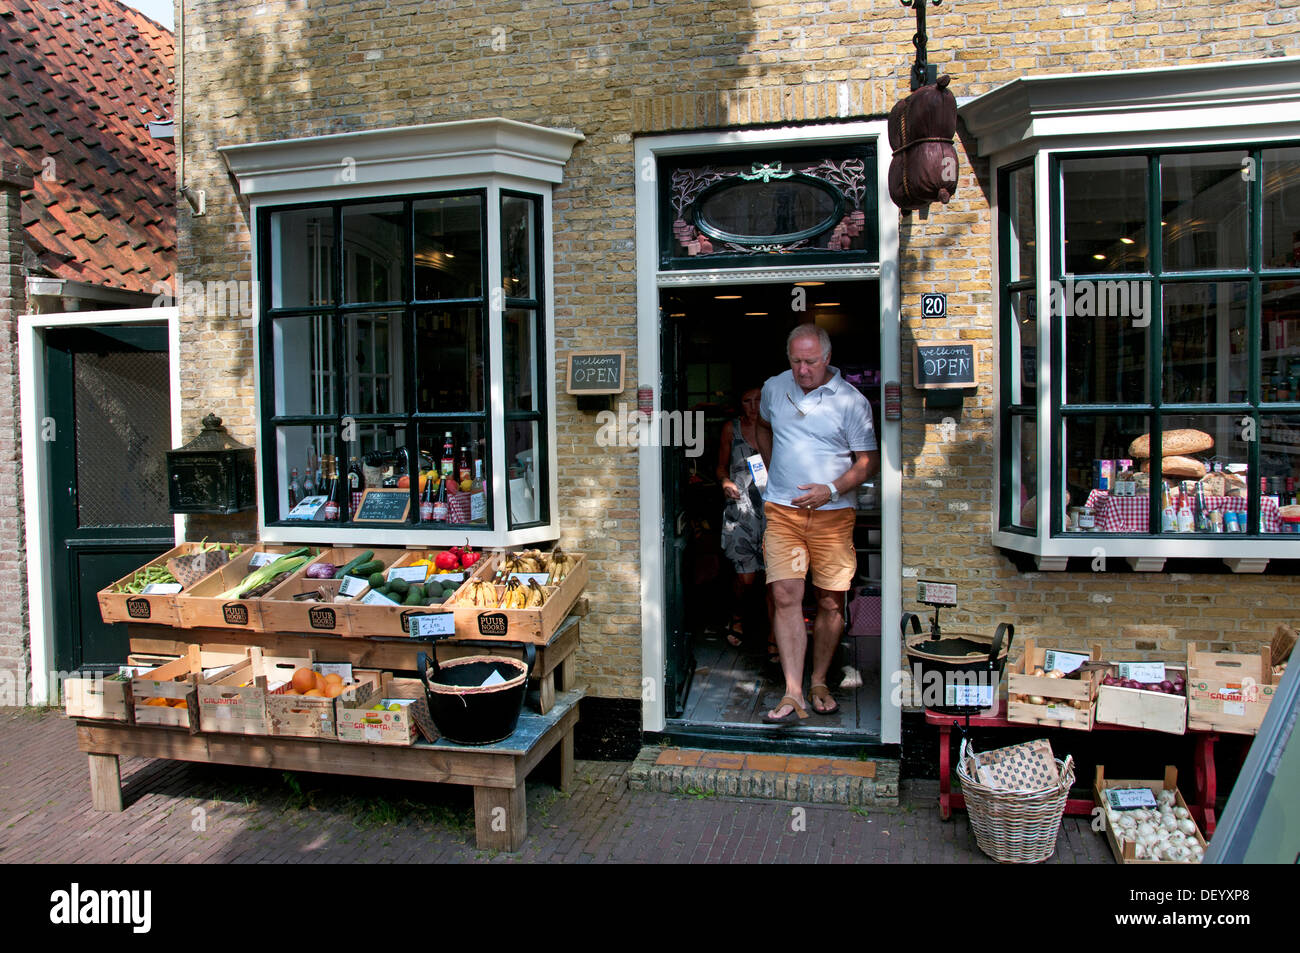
613,70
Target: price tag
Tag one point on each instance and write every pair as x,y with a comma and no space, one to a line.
375,599
477,507
311,507
1059,712
543,578
969,695
261,559
162,588
1234,708
1130,799
936,593
409,573
1066,662
448,577
342,669
1143,671
353,586
433,624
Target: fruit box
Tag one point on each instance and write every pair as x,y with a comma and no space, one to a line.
233,700
156,609
1227,691
1126,853
281,613
1067,702
304,716
536,625
156,694
101,696
201,606
390,620
361,722
1140,708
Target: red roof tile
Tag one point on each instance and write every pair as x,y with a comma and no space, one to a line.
80,80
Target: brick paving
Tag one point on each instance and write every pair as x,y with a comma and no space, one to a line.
187,813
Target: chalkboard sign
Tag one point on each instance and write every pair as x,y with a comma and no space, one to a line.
595,372
384,506
938,366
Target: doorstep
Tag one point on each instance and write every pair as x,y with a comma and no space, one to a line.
818,780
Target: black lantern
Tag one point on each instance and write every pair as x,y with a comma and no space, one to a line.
213,473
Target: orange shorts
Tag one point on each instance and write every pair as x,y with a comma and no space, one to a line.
795,541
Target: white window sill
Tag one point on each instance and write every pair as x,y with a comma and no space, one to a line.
1142,554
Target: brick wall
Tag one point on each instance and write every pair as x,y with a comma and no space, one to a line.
615,69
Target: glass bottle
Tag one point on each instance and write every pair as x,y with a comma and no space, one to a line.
330,473
463,469
440,508
295,488
356,483
477,486
426,501
448,465
308,483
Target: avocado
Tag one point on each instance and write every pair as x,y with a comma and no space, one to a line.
418,591
377,580
399,587
435,600
412,598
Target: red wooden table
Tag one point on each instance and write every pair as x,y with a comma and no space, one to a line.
1201,803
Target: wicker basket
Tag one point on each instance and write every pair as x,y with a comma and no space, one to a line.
1014,827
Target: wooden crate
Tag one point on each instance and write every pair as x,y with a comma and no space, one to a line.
361,723
1227,691
1062,696
1139,708
99,697
280,613
233,701
519,625
161,609
1126,854
381,620
301,716
200,606
174,681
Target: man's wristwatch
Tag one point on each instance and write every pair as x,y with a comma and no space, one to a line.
835,494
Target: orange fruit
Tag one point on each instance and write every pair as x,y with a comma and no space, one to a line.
334,678
315,693
180,703
303,679
333,690
320,682
157,702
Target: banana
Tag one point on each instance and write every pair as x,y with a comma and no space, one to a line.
559,565
536,595
515,597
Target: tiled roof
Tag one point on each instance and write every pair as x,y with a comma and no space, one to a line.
80,80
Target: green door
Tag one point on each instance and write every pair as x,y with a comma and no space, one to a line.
107,426
680,660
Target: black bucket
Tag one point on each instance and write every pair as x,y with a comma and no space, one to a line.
466,711
958,660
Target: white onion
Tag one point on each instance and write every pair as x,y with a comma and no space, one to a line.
1146,829
1165,797
1187,826
1181,812
1169,822
1156,852
1140,851
1178,837
1127,820
1198,852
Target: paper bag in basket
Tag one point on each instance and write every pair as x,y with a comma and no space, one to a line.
1024,767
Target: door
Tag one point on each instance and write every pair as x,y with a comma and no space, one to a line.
107,427
680,662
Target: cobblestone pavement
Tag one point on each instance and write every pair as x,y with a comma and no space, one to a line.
177,812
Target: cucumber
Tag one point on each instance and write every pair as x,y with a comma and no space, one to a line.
363,558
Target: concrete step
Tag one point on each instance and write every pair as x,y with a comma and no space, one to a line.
778,777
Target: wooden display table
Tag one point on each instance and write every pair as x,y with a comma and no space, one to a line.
496,772
1201,803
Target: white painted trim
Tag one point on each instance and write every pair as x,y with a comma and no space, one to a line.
36,504
650,280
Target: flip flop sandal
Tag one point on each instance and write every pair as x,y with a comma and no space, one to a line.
823,694
796,715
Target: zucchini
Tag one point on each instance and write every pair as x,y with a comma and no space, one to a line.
368,569
363,558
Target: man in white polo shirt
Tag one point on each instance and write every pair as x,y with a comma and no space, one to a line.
817,430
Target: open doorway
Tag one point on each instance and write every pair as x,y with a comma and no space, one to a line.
720,341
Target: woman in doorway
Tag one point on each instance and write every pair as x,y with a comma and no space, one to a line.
742,514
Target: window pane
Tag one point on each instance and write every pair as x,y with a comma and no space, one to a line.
374,363
1204,328
1281,208
1279,458
372,252
301,255
1096,450
1105,339
458,454
450,360
518,244
1021,216
303,471
1200,483
1105,214
1024,341
522,442
1279,324
1203,207
1024,460
521,359
448,248
304,365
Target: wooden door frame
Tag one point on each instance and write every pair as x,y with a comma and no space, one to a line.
36,476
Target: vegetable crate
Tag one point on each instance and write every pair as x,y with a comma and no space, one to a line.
303,716
536,625
1229,692
372,722
392,620
282,613
1066,702
1127,852
202,606
168,695
1141,708
154,608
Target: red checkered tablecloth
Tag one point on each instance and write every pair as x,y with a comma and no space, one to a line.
1128,514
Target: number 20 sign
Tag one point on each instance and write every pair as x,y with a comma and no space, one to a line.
934,305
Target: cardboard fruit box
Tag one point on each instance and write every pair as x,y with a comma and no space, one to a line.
201,606
304,716
233,700
154,608
1142,708
374,720
536,625
368,617
282,613
1066,702
1227,691
1126,853
157,695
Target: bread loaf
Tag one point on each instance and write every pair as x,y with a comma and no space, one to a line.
1172,442
1182,468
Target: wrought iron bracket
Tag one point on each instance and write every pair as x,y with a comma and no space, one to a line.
923,74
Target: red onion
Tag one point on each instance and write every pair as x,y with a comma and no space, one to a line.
1167,687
